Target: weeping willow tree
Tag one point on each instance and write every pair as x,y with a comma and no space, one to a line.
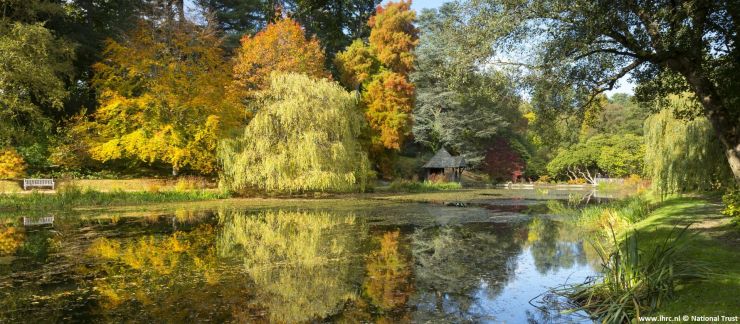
304,139
683,153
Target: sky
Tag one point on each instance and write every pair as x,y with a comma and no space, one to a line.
423,4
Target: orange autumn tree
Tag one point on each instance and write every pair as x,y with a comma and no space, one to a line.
381,67
393,36
389,99
161,99
281,47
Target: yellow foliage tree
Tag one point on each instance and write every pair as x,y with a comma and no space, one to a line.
12,164
281,47
162,99
356,64
303,139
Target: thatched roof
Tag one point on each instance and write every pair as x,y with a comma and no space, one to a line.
442,159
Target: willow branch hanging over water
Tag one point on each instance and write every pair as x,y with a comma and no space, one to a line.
683,155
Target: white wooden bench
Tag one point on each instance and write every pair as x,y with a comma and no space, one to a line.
28,221
30,183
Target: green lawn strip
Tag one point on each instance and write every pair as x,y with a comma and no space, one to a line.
713,242
66,200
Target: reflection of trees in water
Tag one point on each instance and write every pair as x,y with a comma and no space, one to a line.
300,261
550,249
388,279
554,245
11,239
167,277
453,263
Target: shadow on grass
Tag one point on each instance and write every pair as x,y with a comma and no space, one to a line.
714,243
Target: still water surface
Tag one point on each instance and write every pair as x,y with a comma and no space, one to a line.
349,262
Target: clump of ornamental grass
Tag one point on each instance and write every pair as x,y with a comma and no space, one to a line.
634,280
618,215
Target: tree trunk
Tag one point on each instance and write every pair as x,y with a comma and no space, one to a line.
725,126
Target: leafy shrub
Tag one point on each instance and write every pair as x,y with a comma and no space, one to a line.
12,164
577,181
544,179
185,184
633,180
35,156
437,178
731,200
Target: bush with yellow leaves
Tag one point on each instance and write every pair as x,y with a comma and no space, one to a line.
12,164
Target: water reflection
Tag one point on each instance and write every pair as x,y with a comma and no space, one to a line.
388,282
453,262
552,247
288,265
300,262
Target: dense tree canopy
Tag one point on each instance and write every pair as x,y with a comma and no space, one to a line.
304,139
162,99
380,68
281,47
356,64
608,156
519,88
335,22
667,47
393,35
458,105
34,66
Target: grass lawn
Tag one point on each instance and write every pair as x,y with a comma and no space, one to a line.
68,199
714,242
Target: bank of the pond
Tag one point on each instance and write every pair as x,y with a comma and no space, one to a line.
73,198
711,245
713,242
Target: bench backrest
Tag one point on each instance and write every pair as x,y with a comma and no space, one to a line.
27,221
38,182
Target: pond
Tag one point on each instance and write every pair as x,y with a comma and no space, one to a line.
298,261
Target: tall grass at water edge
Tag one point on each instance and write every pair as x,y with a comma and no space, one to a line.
634,280
617,215
425,186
